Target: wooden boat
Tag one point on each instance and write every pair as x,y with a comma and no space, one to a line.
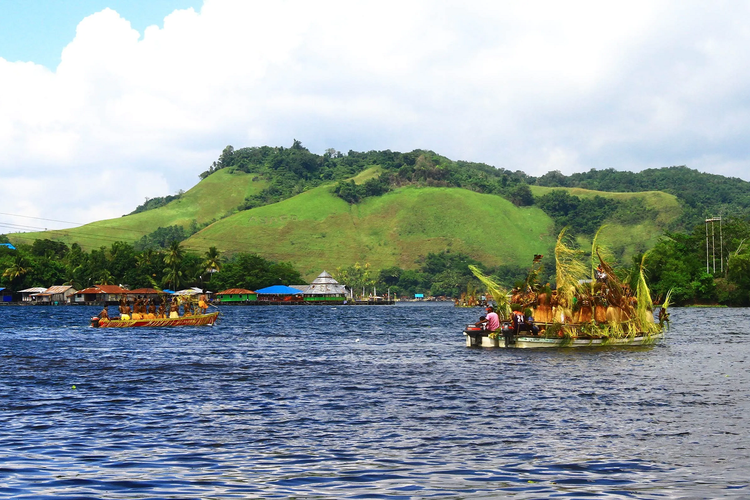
477,337
194,320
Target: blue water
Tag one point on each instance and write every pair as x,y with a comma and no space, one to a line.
366,402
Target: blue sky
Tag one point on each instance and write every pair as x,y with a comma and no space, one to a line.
37,30
136,99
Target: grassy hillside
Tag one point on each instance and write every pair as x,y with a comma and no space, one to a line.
210,199
627,240
316,230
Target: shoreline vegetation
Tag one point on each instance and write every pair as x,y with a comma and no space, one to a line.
409,222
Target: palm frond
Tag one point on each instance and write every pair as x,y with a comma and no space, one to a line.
499,294
571,271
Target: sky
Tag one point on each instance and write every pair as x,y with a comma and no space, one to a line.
106,103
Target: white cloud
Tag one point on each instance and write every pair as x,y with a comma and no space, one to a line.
524,85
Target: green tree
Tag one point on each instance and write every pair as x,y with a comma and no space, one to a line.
17,270
212,261
173,258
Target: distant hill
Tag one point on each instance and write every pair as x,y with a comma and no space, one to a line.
211,199
389,208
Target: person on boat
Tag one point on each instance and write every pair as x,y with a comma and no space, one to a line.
600,275
104,315
174,309
493,320
124,310
482,323
162,308
203,303
151,308
137,314
528,322
518,321
663,316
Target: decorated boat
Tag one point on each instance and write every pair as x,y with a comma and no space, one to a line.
477,337
192,320
591,306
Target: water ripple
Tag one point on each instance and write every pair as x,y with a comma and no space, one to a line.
356,402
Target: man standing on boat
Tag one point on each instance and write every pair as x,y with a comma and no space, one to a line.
493,321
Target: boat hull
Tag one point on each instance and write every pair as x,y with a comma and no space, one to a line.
197,320
482,339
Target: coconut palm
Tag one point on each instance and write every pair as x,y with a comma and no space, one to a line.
17,270
173,257
212,261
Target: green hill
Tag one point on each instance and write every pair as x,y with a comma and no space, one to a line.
211,199
316,230
286,204
629,239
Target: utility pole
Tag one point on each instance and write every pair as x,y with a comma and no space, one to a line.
711,248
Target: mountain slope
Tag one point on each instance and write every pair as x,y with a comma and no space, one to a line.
316,230
210,199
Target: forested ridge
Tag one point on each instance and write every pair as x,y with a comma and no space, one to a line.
677,262
291,171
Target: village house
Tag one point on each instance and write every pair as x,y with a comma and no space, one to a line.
58,294
110,294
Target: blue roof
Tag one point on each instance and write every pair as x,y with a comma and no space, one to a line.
279,290
167,291
8,245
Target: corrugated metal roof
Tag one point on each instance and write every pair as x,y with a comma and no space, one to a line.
35,289
324,279
236,291
96,289
58,289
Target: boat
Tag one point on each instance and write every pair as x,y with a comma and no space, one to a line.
193,320
477,337
589,307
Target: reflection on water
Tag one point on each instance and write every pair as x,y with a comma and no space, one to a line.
366,402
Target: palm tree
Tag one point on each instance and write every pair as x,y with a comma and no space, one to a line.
106,278
212,261
173,259
17,270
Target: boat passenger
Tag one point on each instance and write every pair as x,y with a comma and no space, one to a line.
528,322
161,314
151,308
482,322
104,315
124,310
518,321
137,314
493,320
174,309
203,303
663,316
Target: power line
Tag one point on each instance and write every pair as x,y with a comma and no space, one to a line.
42,218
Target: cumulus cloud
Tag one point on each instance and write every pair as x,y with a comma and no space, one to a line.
531,86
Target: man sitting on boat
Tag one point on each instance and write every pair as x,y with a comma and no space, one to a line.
104,315
493,320
482,323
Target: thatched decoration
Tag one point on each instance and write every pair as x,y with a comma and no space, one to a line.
499,294
571,270
645,307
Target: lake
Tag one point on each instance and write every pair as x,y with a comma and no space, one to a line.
366,402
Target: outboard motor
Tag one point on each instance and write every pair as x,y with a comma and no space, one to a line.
95,321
